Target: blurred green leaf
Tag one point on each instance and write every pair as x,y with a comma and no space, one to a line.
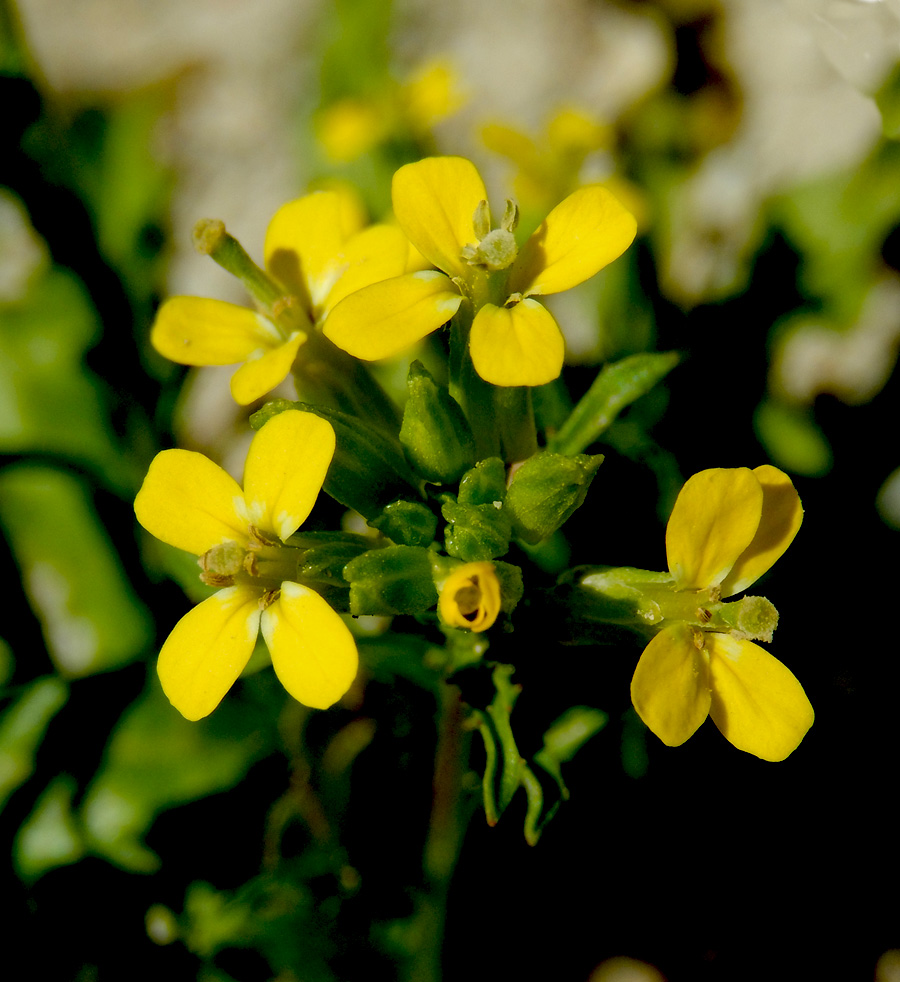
839,222
49,401
356,60
22,728
50,836
887,98
157,759
792,439
89,615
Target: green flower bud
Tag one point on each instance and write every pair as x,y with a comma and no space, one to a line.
435,433
407,522
395,580
475,532
484,484
546,490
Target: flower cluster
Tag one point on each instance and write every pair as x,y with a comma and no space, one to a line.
455,480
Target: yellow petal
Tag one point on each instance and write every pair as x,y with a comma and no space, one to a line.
434,201
518,345
191,503
208,649
715,518
197,331
670,686
303,240
577,239
378,253
286,466
470,597
386,318
260,375
313,652
757,703
782,515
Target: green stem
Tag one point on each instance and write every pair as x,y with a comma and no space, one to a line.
469,389
514,421
445,835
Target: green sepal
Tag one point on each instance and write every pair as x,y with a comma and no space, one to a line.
368,470
394,580
435,434
615,387
475,532
408,523
503,766
542,776
546,490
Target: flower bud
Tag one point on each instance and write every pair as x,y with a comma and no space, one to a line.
395,580
470,597
546,490
435,434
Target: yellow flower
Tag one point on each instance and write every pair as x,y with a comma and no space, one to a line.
189,502
441,205
316,252
727,528
470,597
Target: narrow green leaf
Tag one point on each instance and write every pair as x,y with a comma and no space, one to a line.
616,386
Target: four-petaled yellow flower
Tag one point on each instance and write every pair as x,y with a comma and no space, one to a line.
316,252
441,204
189,502
470,597
727,528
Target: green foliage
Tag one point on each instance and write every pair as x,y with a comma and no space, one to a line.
90,618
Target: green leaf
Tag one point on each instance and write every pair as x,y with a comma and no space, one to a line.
562,741
156,759
49,402
887,98
90,617
22,728
503,769
792,438
50,836
616,386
